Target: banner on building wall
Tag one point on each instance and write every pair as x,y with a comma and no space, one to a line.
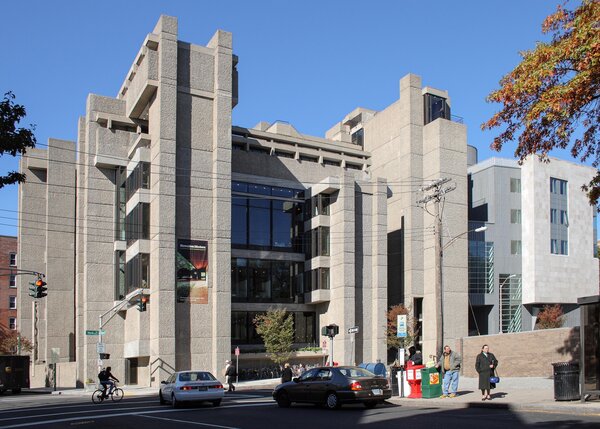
192,271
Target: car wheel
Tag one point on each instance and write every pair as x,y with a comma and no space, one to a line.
332,402
160,398
216,402
283,399
370,404
174,401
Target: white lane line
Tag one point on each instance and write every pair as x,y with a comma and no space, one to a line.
188,422
106,416
63,406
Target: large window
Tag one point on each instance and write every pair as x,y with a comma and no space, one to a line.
243,330
137,272
318,206
510,302
515,185
358,137
316,279
120,275
559,217
257,280
515,247
435,107
139,178
137,223
558,186
120,204
266,217
317,242
515,216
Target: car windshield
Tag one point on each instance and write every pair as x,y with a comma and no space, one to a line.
196,376
356,372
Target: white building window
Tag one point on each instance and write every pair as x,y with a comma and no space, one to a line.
553,216
515,247
515,216
515,185
12,259
558,186
12,323
564,218
12,302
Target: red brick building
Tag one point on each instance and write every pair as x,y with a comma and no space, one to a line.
8,282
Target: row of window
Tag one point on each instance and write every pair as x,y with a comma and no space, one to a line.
302,157
131,275
559,247
563,219
243,330
259,280
558,186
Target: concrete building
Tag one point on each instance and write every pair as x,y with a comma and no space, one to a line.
539,246
162,197
8,282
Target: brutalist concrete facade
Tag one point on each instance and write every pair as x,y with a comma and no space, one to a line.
173,116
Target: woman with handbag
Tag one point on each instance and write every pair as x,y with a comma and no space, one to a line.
486,364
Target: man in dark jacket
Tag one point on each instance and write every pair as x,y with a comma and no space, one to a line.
106,380
286,374
230,374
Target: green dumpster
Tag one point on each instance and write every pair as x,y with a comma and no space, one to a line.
431,383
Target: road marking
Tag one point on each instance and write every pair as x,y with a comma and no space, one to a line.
105,416
188,422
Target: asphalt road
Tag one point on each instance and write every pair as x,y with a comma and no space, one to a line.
256,410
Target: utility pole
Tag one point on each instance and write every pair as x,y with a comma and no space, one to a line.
436,193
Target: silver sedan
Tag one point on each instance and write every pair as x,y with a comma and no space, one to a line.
191,386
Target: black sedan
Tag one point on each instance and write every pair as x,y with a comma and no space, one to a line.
334,386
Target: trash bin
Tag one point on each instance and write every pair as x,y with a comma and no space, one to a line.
376,368
394,370
566,381
431,383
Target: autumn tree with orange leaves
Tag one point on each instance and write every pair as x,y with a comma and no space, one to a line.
552,98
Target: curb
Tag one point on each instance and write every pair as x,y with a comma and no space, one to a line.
589,409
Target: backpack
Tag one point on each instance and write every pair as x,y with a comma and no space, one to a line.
102,375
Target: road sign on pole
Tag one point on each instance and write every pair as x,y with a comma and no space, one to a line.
353,330
95,332
401,326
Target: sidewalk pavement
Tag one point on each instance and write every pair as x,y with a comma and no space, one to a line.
518,394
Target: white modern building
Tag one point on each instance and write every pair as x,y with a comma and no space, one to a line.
540,244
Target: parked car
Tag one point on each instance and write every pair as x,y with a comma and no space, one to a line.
334,386
191,386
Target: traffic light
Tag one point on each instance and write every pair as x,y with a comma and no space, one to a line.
40,289
330,330
141,306
32,290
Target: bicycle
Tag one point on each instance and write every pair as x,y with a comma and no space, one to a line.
115,393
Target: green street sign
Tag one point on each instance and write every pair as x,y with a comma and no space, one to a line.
95,332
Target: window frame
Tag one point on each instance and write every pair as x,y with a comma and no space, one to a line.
12,259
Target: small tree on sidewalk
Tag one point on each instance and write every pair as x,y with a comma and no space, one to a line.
550,317
276,328
393,341
11,341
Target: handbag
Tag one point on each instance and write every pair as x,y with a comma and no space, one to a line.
494,379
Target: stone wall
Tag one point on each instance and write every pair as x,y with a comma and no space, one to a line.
523,354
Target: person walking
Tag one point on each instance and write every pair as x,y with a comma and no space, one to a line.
286,374
449,363
230,374
485,365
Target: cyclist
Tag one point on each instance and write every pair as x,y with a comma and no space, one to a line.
106,380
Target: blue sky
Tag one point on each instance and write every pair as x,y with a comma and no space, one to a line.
309,63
